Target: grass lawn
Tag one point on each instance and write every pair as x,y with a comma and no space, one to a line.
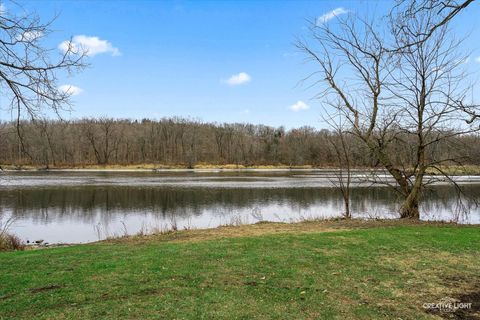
311,270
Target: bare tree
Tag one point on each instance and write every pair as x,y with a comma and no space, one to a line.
104,138
408,96
343,177
28,70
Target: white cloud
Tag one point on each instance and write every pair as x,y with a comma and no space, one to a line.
91,46
330,15
71,90
30,36
3,9
300,105
477,59
238,79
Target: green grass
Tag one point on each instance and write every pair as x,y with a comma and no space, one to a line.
378,271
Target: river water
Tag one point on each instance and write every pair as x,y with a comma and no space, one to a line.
75,207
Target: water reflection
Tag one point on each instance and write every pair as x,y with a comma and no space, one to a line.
69,213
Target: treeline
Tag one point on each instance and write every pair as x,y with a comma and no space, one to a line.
178,141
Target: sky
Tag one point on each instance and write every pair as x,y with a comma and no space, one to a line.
216,61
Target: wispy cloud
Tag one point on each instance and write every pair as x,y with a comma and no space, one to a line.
330,15
29,36
238,79
477,59
91,46
300,105
71,90
3,9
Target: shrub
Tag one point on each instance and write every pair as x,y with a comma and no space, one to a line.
10,242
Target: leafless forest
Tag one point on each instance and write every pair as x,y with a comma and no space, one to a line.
187,142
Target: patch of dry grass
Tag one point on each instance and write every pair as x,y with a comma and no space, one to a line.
153,166
268,228
10,242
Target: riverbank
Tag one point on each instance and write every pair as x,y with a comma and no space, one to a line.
450,170
310,270
151,167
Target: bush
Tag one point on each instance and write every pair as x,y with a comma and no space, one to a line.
10,242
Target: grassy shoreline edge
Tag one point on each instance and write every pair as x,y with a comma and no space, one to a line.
451,170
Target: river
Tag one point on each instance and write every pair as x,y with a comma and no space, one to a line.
77,207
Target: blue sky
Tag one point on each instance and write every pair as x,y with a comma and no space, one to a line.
211,60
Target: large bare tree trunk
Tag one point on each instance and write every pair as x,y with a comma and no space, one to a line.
409,207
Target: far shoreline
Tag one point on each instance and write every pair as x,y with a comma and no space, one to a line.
168,168
467,170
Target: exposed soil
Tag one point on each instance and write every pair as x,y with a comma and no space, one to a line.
46,288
